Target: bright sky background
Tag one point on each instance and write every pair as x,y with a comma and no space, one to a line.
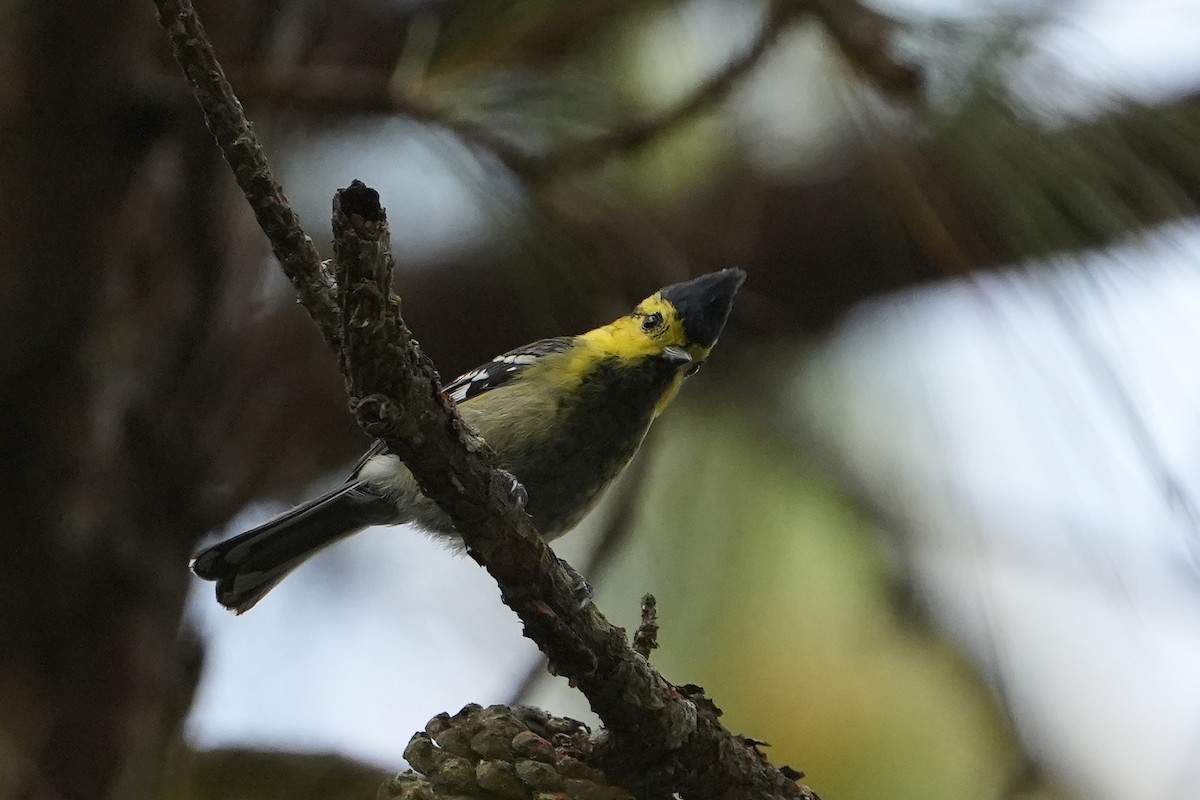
1051,531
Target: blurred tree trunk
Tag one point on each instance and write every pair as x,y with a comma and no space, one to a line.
120,398
88,594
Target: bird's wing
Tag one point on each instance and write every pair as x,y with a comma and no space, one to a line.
499,370
503,368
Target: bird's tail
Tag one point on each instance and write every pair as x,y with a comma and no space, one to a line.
247,566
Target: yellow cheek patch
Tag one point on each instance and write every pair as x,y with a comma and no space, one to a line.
626,338
670,331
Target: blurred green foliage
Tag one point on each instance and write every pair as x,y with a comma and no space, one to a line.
775,594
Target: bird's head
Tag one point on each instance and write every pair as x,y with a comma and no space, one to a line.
691,314
674,328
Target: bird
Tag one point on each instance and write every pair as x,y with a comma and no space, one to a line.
564,416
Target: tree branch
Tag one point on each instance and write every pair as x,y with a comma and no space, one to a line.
710,91
626,497
660,740
646,638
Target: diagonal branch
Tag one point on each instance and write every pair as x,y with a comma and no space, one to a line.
711,91
660,739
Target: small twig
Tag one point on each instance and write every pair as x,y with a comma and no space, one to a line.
223,114
646,638
708,93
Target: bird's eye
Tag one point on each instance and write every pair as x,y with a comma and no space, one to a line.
652,321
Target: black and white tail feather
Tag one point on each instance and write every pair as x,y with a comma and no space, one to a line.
249,565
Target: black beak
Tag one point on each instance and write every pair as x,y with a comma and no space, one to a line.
703,303
676,356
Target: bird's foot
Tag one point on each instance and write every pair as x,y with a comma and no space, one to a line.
580,588
516,490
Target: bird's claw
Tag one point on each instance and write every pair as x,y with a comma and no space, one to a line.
580,588
516,490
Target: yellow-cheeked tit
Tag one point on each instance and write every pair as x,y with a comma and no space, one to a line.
564,415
